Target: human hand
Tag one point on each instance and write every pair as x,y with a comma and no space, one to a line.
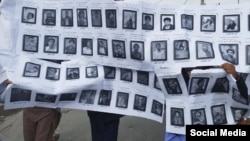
230,69
7,82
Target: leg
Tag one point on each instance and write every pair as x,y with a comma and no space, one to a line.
47,126
102,130
29,127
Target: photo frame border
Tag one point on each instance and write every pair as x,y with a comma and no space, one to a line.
152,18
224,23
220,105
211,48
58,69
166,50
122,93
99,12
77,15
26,65
106,12
72,17
57,43
211,16
37,43
167,15
64,44
123,20
124,49
52,10
143,49
192,115
35,15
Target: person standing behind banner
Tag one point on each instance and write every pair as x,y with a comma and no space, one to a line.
104,126
228,68
39,124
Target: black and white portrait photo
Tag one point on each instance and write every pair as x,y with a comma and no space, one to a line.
67,17
187,21
237,96
157,108
229,52
82,18
29,15
248,22
208,23
129,19
30,43
49,17
105,97
102,47
198,116
31,70
181,50
137,50
70,46
147,21
238,113
118,47
87,96
111,21
51,44
126,74
172,85
231,23
219,114
87,46
167,21
53,73
68,97
48,98
247,54
156,83
140,102
204,50
122,99
143,77
91,72
109,72
72,73
159,50
96,17
198,85
18,94
221,85
177,116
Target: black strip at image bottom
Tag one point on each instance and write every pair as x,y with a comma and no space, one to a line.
194,132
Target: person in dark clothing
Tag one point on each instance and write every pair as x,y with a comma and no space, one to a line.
228,68
104,126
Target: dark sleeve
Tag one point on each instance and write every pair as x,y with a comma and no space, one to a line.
242,87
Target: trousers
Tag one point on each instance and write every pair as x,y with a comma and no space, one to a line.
104,126
39,124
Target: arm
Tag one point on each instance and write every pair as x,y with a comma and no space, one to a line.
230,69
3,85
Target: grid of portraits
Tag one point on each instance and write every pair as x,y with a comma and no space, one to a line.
157,50
204,85
94,17
199,116
138,51
92,97
34,70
